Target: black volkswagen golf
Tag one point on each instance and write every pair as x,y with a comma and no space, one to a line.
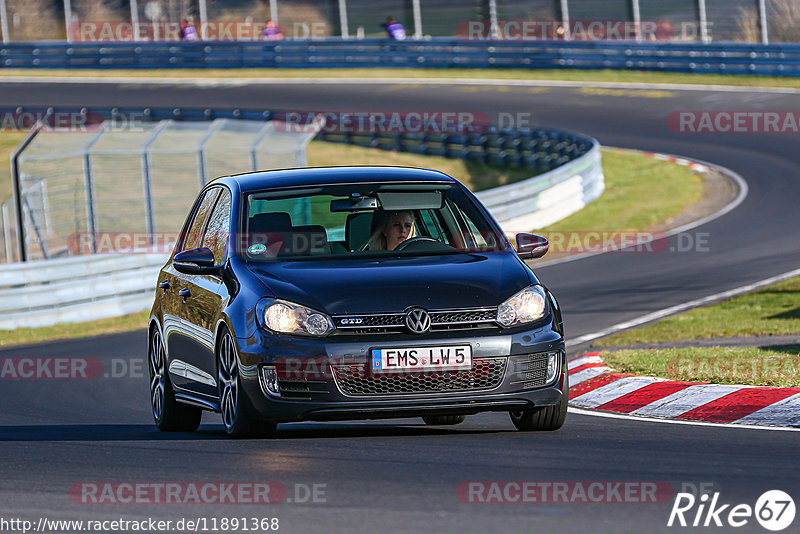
351,293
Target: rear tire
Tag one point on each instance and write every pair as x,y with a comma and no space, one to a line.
169,414
442,420
232,400
547,418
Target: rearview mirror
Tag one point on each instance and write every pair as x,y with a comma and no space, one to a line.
194,261
356,202
530,246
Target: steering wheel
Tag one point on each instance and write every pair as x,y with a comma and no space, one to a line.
419,239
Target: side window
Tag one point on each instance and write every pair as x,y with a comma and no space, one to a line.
194,233
470,234
432,225
218,228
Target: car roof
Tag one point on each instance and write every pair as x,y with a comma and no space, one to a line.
310,176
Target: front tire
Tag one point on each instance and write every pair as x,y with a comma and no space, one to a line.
169,414
232,400
547,418
443,420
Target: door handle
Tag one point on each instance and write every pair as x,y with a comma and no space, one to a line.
185,293
164,285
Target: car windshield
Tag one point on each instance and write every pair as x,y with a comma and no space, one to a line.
349,221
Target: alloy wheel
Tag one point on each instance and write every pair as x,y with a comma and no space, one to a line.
229,381
157,370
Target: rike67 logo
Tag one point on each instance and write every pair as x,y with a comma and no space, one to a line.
774,510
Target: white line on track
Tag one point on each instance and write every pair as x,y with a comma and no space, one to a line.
231,82
593,413
741,183
682,307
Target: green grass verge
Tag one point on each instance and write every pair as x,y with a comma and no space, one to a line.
773,366
774,310
114,325
615,76
631,180
641,192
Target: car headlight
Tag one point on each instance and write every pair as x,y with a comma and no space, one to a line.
526,306
290,318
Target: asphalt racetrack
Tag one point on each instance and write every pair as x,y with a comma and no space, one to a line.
400,476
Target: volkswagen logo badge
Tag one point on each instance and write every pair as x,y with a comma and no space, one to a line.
418,320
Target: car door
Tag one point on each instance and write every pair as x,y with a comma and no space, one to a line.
211,291
188,321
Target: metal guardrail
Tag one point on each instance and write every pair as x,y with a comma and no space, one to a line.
550,197
84,288
77,289
716,58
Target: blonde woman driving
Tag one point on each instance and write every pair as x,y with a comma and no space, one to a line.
394,228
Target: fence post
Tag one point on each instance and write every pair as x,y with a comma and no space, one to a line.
637,19
494,29
148,193
273,11
7,234
88,188
701,7
17,187
4,20
762,15
565,19
216,124
260,136
343,19
417,19
135,20
203,20
68,17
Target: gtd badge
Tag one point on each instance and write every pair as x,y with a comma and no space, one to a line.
347,321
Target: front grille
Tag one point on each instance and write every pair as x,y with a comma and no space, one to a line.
383,323
464,316
357,380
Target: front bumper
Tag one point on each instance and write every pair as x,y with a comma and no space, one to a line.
319,397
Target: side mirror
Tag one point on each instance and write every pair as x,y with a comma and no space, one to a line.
530,246
195,261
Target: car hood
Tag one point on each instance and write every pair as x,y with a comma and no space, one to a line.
393,284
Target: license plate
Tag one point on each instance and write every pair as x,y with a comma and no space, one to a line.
443,358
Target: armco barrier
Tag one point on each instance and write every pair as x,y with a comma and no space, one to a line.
85,288
717,58
76,289
545,199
